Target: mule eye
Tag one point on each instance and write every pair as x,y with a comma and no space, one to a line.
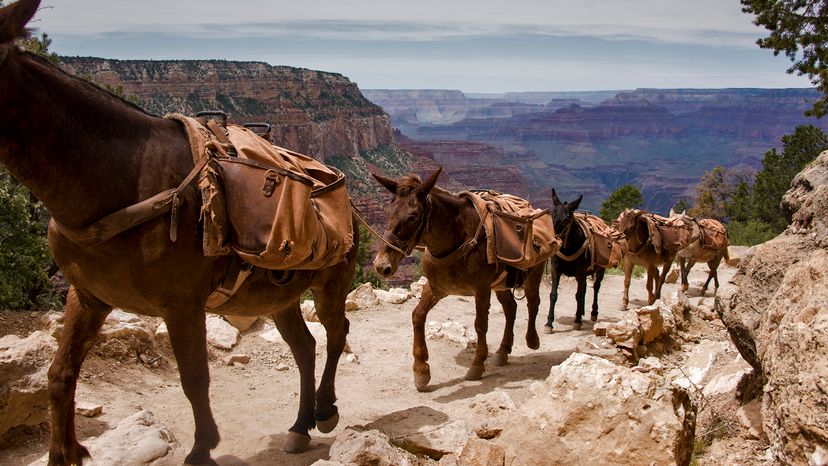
411,219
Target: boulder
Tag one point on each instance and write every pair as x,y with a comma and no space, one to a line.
480,452
87,409
672,276
626,333
487,413
137,440
601,347
364,296
417,286
393,296
591,411
368,448
220,334
424,431
308,308
651,323
123,336
243,323
24,362
793,352
778,320
454,332
694,371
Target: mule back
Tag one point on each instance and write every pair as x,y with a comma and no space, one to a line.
518,234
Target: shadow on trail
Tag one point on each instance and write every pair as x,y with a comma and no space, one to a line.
527,367
320,449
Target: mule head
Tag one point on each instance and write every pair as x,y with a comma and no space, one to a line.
13,20
563,212
407,215
627,220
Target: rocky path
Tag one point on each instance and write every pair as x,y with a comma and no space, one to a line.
255,403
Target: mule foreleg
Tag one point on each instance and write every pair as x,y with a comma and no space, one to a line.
596,287
302,345
553,299
421,369
580,301
188,336
507,301
628,270
482,301
83,317
683,272
331,313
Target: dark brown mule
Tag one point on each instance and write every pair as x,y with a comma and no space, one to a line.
86,153
640,251
444,222
574,259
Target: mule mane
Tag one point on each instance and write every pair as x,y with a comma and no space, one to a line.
407,183
85,85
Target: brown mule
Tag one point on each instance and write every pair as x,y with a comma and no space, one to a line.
445,222
86,153
640,251
698,251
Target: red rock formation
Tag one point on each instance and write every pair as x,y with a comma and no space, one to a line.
313,112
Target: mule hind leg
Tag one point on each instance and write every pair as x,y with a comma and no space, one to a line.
330,305
532,288
507,301
84,316
482,301
302,345
713,273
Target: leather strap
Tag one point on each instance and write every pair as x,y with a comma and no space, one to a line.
461,251
128,217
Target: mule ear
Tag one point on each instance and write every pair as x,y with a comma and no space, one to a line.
555,199
13,19
389,184
429,183
573,206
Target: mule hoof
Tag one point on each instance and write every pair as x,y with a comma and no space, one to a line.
577,325
329,424
421,381
296,443
547,329
474,373
199,461
500,359
533,343
594,317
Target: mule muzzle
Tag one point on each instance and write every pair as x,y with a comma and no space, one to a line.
386,263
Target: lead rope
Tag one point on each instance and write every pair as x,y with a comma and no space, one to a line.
355,211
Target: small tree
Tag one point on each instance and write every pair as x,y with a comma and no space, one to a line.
778,170
715,189
625,197
799,29
681,206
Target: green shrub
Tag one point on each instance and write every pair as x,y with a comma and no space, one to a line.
749,232
24,252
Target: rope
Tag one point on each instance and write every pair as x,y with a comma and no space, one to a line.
355,211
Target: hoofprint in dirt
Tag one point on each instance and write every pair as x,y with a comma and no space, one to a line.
255,403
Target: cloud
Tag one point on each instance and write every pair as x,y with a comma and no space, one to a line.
711,22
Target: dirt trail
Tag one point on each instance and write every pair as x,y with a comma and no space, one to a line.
255,405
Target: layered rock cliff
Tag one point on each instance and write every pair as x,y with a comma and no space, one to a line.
313,112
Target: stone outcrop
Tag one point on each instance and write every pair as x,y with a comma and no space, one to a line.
313,112
591,411
137,440
24,363
367,448
778,319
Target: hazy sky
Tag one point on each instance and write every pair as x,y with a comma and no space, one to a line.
472,45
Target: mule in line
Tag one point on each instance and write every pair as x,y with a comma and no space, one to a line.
455,263
85,154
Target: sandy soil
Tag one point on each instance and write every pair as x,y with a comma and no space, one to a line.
255,405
